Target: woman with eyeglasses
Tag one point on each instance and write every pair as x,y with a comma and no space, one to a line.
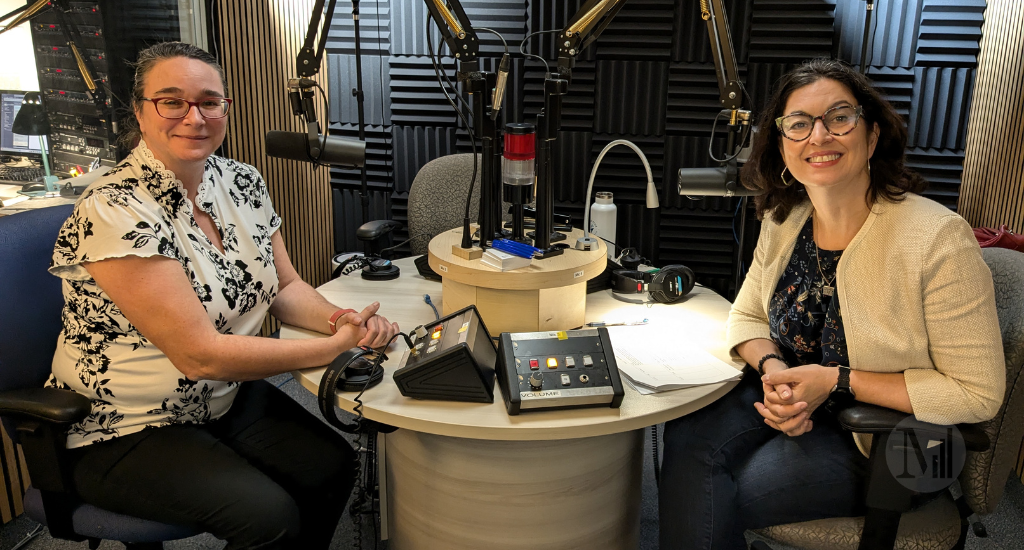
859,290
170,262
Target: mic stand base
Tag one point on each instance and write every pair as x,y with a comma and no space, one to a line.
550,252
553,238
389,273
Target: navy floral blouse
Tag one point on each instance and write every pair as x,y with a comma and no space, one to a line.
804,319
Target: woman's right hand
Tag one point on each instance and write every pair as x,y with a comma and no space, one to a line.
779,408
366,328
352,326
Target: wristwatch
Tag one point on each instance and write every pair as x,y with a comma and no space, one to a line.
842,387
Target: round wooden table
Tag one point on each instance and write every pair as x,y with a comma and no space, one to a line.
549,294
466,476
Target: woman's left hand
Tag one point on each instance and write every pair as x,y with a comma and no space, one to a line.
811,384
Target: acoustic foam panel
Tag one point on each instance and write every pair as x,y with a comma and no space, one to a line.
374,29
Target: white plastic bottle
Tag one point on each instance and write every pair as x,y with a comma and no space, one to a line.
602,219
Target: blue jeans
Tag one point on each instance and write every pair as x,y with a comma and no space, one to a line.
726,471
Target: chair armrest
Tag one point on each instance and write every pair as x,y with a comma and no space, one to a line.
45,404
872,419
374,230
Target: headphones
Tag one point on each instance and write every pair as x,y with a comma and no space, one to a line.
374,267
350,371
666,286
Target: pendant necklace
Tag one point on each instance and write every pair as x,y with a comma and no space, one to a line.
827,289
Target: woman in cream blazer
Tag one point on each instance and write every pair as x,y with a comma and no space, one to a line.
859,289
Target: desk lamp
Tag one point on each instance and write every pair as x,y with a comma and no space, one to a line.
31,120
586,242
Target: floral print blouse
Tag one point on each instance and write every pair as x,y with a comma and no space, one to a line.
804,316
139,208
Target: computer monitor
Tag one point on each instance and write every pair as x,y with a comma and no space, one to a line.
11,143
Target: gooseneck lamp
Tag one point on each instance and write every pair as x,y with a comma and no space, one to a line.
586,242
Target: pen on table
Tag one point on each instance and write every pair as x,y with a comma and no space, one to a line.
619,324
515,248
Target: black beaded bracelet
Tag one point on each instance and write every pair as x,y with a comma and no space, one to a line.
760,364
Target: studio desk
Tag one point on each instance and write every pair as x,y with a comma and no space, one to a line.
467,476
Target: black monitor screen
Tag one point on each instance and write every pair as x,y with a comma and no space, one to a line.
11,143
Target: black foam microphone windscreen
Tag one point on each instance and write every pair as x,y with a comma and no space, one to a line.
336,151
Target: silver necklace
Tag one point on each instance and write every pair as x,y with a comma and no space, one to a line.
827,289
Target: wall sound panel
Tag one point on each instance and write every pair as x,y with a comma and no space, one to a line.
791,30
949,33
894,31
642,30
693,98
507,18
897,86
691,43
419,145
376,89
993,190
631,97
938,114
572,164
258,43
374,29
416,97
942,169
408,28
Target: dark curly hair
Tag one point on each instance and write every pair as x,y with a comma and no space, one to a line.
130,134
890,177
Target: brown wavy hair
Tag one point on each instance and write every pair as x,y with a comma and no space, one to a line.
130,133
890,177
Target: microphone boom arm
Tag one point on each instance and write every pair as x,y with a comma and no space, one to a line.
585,26
731,93
458,33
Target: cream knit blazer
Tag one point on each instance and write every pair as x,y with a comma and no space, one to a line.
916,298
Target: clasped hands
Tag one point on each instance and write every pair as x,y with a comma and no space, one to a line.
791,395
367,328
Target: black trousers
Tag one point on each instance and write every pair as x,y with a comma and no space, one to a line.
266,475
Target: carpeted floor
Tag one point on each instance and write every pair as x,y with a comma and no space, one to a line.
1005,525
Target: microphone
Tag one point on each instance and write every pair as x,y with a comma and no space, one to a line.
713,182
336,151
499,87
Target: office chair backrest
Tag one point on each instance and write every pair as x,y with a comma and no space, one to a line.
30,298
437,198
984,476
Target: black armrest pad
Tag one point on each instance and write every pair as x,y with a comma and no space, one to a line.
872,419
46,404
375,229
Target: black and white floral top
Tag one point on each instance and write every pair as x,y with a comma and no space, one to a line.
140,209
804,317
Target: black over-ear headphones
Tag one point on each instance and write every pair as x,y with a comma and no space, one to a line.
350,371
667,286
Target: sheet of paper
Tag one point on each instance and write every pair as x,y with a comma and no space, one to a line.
657,360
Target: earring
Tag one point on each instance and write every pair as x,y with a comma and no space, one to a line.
783,176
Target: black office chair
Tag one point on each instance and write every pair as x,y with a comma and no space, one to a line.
992,449
37,417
